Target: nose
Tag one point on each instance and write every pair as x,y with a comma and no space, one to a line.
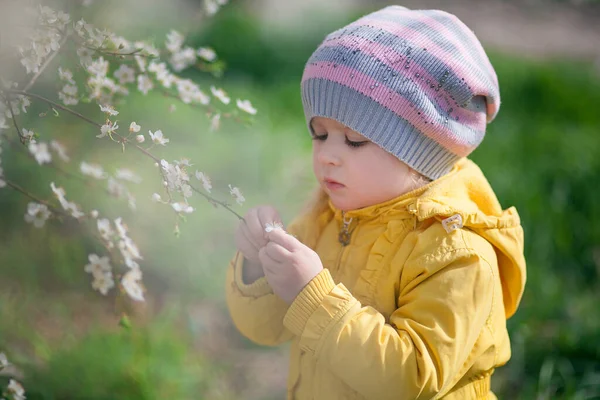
328,154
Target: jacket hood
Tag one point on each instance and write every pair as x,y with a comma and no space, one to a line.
466,191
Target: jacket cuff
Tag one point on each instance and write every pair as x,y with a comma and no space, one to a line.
258,288
307,302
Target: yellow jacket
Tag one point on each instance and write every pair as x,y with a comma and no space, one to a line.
409,309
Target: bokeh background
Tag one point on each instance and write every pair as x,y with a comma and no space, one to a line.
542,155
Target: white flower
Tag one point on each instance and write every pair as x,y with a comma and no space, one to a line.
27,134
37,214
107,129
189,91
93,170
98,68
106,231
130,283
3,361
60,150
237,194
65,75
182,207
220,94
206,183
131,202
140,138
174,41
206,53
129,251
121,227
144,84
272,226
182,59
68,95
103,282
215,122
156,198
134,128
16,389
116,188
40,152
127,175
108,109
125,74
97,265
85,56
185,162
94,214
211,7
158,138
245,105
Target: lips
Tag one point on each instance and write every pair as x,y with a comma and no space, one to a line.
332,185
327,180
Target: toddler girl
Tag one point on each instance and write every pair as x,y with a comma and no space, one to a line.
397,281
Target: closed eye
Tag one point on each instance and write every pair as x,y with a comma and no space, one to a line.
349,142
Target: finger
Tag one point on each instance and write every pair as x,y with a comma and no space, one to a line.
247,236
284,239
268,263
277,252
245,246
255,228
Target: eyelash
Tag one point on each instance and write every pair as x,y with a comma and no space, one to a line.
348,142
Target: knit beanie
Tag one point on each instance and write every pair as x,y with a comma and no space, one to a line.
418,83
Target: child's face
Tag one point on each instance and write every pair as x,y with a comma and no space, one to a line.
354,171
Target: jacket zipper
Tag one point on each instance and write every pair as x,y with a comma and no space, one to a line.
344,238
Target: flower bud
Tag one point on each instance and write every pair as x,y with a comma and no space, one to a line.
140,138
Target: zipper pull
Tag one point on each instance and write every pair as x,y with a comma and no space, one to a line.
344,235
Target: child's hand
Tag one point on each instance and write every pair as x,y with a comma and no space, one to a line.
250,236
288,264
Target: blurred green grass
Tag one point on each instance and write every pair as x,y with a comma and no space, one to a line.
540,155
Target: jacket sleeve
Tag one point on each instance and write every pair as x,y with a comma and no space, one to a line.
255,310
421,350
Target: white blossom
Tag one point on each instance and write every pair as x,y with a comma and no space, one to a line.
94,214
156,198
85,56
182,207
220,94
107,129
65,75
37,214
97,265
131,284
206,53
116,188
185,162
108,109
98,68
245,105
68,95
158,138
40,152
206,183
183,59
162,73
93,170
127,175
106,231
189,92
60,150
134,128
71,207
237,194
125,74
103,282
272,226
211,7
144,84
174,41
140,139
16,390
3,361
28,134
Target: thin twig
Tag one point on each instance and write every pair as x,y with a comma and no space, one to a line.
33,197
14,120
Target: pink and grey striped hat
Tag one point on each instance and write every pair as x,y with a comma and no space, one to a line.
416,82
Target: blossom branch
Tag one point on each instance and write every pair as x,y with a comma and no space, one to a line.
34,198
46,63
123,140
